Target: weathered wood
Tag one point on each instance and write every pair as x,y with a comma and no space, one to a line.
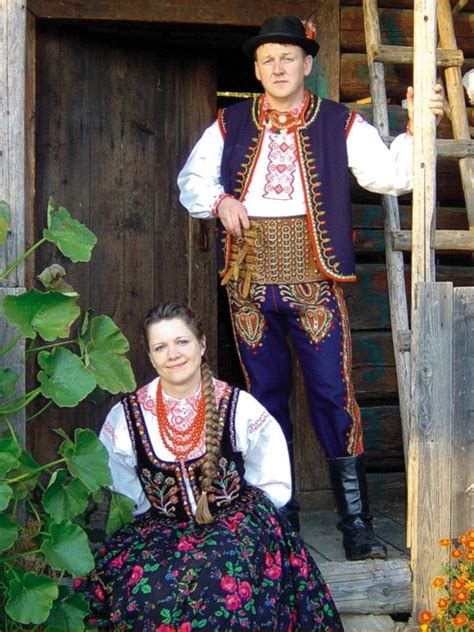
424,147
445,58
106,152
355,79
364,623
396,27
453,240
457,105
463,420
30,136
431,445
15,360
325,76
185,11
371,587
370,217
12,131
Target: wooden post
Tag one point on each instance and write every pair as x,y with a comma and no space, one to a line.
12,161
424,144
430,457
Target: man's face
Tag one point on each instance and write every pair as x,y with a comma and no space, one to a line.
281,68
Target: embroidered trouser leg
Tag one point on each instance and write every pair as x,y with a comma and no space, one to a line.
315,317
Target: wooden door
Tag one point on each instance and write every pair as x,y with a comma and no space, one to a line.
115,119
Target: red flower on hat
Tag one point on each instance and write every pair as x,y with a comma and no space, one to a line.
310,29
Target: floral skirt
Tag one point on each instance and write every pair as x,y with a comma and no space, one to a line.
247,571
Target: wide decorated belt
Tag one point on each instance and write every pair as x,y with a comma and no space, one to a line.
273,251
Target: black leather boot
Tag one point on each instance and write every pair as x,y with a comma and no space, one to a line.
349,484
292,508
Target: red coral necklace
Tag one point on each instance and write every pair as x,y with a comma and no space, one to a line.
183,442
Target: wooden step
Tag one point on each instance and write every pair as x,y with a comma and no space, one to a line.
369,587
444,240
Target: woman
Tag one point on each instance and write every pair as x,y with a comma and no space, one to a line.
206,466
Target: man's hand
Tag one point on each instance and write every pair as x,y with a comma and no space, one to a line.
233,215
436,104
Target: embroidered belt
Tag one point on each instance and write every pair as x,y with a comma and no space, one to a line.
273,251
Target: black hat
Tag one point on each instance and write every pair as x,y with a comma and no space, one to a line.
281,30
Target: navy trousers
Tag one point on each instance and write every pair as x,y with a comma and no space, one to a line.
314,316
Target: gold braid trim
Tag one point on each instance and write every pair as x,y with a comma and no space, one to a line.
213,447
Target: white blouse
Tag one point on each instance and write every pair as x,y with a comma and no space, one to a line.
376,167
258,437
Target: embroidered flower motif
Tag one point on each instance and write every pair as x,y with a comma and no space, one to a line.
245,591
137,574
233,602
228,584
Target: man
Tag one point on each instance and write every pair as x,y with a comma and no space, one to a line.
275,171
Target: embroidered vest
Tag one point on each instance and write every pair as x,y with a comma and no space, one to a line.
163,482
322,154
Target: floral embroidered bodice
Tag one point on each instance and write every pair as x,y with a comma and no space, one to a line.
172,487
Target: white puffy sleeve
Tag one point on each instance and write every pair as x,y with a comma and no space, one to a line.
199,181
264,449
376,167
122,461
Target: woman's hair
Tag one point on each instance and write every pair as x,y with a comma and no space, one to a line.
167,311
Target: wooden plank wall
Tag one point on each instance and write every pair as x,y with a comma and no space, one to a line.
442,448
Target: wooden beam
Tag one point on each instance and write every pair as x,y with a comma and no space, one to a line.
12,130
369,587
453,240
430,455
185,11
424,146
447,148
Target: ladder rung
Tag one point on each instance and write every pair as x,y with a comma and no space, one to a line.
449,147
445,57
453,240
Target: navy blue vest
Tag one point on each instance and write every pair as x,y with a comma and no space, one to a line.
322,154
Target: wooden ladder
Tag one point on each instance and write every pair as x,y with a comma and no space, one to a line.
422,241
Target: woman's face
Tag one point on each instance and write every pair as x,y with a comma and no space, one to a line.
176,353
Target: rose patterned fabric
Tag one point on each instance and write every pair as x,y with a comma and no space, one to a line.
246,571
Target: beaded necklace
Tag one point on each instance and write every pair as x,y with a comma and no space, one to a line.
180,444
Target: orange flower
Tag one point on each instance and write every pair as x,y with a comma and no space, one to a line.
469,533
460,620
456,553
443,603
470,543
461,596
458,583
439,582
470,556
425,616
444,542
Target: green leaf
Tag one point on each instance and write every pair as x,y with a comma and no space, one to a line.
5,220
68,614
8,532
8,380
105,351
72,238
10,453
64,378
87,459
6,494
52,278
50,314
64,501
120,512
30,598
67,549
27,465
